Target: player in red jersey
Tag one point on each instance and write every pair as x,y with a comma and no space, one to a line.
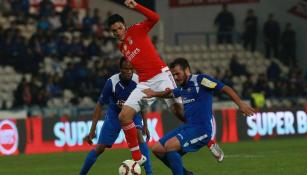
137,48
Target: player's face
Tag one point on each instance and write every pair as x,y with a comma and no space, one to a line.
119,30
179,75
126,71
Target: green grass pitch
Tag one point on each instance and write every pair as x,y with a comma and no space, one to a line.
267,157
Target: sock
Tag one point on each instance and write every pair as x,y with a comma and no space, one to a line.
165,161
89,162
131,137
211,142
175,162
145,152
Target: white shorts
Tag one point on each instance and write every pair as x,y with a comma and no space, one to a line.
158,83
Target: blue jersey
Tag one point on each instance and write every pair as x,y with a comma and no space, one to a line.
116,90
197,96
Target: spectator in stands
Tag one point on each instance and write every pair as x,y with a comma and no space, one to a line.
288,46
23,94
87,22
70,76
93,48
250,30
225,23
236,68
227,78
53,86
46,8
55,21
271,33
43,24
273,71
296,82
262,85
96,17
248,87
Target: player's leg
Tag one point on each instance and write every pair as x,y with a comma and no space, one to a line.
107,136
172,147
215,149
126,116
160,149
91,158
143,145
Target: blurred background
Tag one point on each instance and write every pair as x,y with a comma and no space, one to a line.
56,55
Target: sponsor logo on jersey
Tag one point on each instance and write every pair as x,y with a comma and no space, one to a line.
208,83
8,137
131,55
186,101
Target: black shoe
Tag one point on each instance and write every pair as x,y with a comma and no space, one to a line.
186,172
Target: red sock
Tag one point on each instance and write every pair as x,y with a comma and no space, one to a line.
211,142
131,137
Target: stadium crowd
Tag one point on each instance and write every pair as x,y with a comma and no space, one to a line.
61,51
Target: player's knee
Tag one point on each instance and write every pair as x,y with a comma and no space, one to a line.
172,145
100,149
126,115
158,150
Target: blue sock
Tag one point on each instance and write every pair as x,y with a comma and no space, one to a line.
145,151
165,161
175,162
89,162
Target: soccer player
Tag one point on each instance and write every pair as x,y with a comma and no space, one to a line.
196,92
115,92
137,48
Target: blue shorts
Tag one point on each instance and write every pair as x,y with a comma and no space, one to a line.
191,137
111,127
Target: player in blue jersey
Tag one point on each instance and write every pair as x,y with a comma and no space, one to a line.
115,92
197,94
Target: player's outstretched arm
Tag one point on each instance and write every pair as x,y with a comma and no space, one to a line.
168,93
245,108
95,119
152,17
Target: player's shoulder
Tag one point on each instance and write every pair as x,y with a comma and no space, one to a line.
207,81
135,78
114,78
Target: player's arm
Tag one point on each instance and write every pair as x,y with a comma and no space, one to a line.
103,99
145,126
215,85
245,108
96,117
152,17
168,93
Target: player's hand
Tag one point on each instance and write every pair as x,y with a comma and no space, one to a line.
89,138
130,3
147,133
149,93
120,103
246,109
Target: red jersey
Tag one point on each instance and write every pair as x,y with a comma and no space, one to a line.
138,49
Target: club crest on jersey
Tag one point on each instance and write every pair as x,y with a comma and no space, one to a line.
125,47
130,41
208,83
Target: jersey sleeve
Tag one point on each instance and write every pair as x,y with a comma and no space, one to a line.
177,92
210,83
105,93
152,18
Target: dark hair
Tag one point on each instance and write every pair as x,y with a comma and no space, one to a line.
114,19
182,62
121,62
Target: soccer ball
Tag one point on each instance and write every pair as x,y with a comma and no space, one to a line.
129,167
